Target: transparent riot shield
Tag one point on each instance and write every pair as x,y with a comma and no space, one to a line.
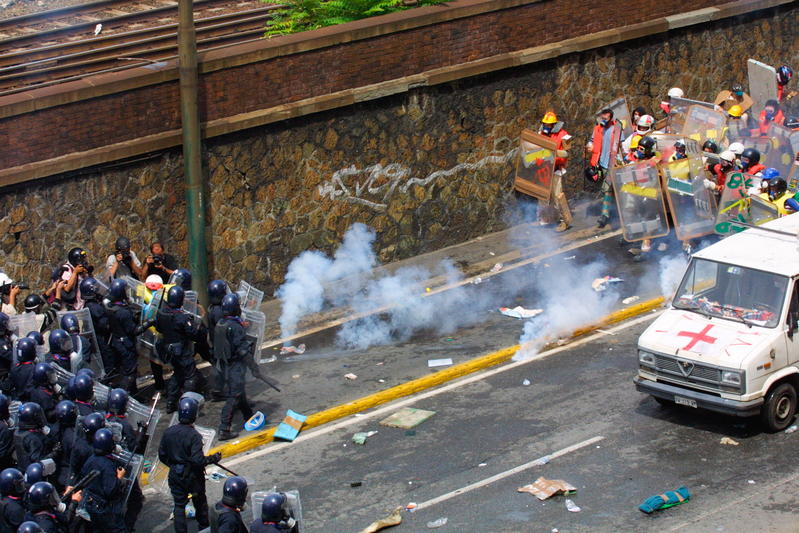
101,393
639,198
793,178
780,154
762,84
138,414
693,207
13,409
293,504
737,206
138,294
702,124
535,166
737,130
678,113
20,325
255,324
793,138
88,353
621,112
158,474
191,303
249,296
665,145
133,464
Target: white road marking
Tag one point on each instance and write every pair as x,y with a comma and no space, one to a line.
502,475
393,406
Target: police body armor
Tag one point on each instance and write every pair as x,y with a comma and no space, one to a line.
173,343
223,351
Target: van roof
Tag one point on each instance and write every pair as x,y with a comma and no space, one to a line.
761,249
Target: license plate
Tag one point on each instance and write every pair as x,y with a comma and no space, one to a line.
679,400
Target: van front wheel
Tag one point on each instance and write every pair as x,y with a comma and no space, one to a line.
780,407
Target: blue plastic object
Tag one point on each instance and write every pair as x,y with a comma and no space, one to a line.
256,421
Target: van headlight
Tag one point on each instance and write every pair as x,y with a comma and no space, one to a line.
646,358
731,377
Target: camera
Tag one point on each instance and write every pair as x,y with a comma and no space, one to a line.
125,255
89,268
158,260
6,288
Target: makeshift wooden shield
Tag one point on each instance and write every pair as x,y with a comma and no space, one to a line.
693,207
535,167
639,199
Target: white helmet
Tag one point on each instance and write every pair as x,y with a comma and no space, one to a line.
727,156
675,92
645,123
736,148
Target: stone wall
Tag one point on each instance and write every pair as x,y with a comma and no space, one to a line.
427,168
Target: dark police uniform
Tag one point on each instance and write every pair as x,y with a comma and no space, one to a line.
105,494
47,400
31,446
102,330
122,326
136,498
6,445
231,347
6,359
22,380
12,513
176,348
228,520
181,450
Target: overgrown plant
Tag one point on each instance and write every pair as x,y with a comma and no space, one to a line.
304,15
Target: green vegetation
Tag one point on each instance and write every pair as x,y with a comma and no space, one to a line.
304,15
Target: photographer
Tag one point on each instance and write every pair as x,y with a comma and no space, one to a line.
159,263
76,269
123,262
8,294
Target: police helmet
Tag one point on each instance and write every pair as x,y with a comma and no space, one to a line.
117,401
76,256
84,387
92,423
174,298
4,405
4,320
117,292
187,410
182,278
42,496
273,507
34,473
12,482
234,493
29,527
37,337
89,288
231,305
88,371
44,375
217,289
103,442
123,243
770,173
66,413
33,302
30,416
26,350
69,323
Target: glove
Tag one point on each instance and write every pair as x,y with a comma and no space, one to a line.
709,185
215,458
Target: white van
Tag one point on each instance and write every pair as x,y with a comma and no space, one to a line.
729,342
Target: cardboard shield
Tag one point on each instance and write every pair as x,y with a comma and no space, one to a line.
640,202
293,505
678,113
255,326
134,464
249,296
780,154
693,207
762,84
535,166
737,206
85,346
702,124
621,112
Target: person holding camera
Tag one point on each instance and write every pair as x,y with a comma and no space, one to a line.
159,263
123,262
8,294
75,270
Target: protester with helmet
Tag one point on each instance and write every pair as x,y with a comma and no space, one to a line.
645,149
123,262
553,129
710,146
719,171
231,348
772,113
674,92
275,516
601,147
46,392
12,502
123,330
679,151
181,450
21,375
226,513
74,270
176,345
105,495
30,440
45,508
642,127
777,194
6,433
784,75
750,162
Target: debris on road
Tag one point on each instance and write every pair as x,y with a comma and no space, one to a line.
482,464
286,350
631,299
407,418
98,29
295,376
256,421
664,501
477,281
355,484
496,268
543,488
393,519
601,284
526,382
437,523
216,477
411,506
350,376
361,436
290,427
791,429
432,363
731,442
520,312
572,507
751,481
570,258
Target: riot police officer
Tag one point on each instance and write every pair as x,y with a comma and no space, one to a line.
45,508
6,434
29,527
123,335
46,391
181,449
6,347
84,393
231,347
81,354
22,372
66,415
61,347
105,494
226,514
116,415
84,440
217,289
30,440
12,504
176,346
275,516
89,291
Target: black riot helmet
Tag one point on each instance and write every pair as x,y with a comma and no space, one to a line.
66,413
273,508
777,187
91,424
103,442
122,244
187,410
70,323
76,256
749,157
117,401
174,298
42,496
4,322
231,305
711,145
118,291
89,288
12,482
30,416
29,527
44,375
33,303
37,337
182,278
4,405
234,493
217,289
26,349
34,474
84,388
647,144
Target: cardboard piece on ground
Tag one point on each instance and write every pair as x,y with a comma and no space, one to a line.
543,488
520,312
393,519
432,363
290,427
407,417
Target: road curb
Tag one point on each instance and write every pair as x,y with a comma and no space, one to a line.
425,382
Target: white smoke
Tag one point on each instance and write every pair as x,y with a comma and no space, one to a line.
670,271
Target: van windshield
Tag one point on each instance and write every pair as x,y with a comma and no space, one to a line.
732,292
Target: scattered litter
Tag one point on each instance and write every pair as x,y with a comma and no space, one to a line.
286,350
570,258
427,289
791,429
190,510
450,339
542,460
482,464
359,414
751,481
543,488
407,418
731,442
98,29
437,523
572,507
555,530
492,254
520,312
526,382
393,519
496,268
290,427
360,437
432,363
350,376
664,501
606,332
381,380
356,484
216,477
631,299
601,284
295,376
476,281
381,363
256,421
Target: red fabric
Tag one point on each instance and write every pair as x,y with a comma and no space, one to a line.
596,139
762,129
721,176
754,169
560,162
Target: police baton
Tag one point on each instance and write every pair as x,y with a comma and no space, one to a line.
80,485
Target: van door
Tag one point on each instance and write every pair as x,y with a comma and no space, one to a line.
792,325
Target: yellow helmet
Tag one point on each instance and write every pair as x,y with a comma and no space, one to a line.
735,111
634,142
549,118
